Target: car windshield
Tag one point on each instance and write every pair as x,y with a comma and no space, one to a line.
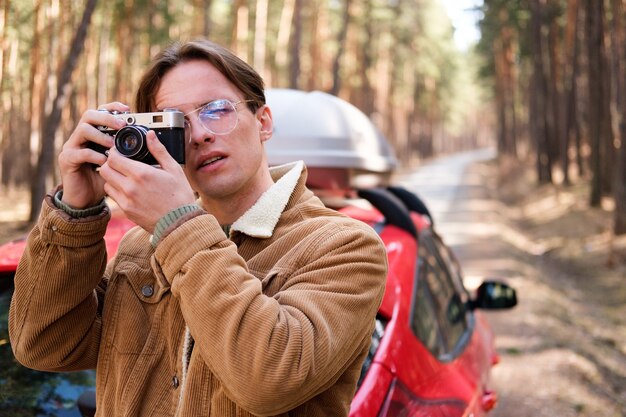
26,392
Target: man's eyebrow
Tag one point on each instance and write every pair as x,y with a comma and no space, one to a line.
179,106
195,107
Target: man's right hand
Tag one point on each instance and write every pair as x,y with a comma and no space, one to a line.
82,185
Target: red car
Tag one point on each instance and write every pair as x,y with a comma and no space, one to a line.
432,351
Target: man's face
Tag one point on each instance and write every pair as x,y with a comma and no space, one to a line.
218,166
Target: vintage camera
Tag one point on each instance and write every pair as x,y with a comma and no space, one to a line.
130,141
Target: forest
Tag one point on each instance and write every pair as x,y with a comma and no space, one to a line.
544,84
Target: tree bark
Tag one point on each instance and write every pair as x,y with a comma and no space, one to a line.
503,50
619,30
570,73
597,94
5,104
295,46
341,42
260,36
540,107
51,123
283,37
366,102
240,29
555,86
202,17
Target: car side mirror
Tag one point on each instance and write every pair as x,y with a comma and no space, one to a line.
494,295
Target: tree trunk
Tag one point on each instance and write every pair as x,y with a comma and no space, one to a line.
597,94
260,36
503,50
511,93
500,96
5,102
582,92
319,29
282,39
202,17
51,123
570,72
341,41
366,103
539,115
295,46
555,92
240,29
125,26
619,189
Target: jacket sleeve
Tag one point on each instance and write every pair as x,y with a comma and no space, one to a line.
274,353
54,324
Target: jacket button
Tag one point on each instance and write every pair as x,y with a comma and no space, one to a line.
175,382
147,290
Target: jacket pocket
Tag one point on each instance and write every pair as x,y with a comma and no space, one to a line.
140,299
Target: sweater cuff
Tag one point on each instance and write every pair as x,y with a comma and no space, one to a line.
77,213
173,219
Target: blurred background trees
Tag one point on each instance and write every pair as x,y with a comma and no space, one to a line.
557,72
394,59
551,90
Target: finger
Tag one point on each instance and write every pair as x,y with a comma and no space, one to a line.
85,132
115,194
103,120
119,182
159,152
126,167
114,106
83,156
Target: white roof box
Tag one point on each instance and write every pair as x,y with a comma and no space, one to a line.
339,144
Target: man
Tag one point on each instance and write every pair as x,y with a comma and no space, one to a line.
254,299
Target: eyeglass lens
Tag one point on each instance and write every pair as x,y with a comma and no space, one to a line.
218,117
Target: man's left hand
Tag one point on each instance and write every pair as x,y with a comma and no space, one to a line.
143,192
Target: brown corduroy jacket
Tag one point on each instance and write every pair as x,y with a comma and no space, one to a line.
275,320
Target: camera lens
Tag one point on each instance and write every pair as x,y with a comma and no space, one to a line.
130,141
129,144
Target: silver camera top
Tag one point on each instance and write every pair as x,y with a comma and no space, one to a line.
169,118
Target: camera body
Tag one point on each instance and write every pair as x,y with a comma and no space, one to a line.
130,141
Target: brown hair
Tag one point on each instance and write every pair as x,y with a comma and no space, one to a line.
237,71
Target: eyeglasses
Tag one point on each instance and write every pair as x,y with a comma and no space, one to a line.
218,116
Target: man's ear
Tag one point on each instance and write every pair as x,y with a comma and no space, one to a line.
264,118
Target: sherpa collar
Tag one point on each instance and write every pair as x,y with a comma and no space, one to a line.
260,219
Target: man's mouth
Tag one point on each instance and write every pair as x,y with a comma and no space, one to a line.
211,160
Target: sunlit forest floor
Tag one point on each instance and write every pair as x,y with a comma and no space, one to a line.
563,348
14,210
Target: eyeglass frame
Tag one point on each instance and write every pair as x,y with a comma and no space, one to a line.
198,110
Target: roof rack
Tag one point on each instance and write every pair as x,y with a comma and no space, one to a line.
391,207
411,201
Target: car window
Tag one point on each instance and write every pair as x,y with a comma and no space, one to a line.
26,392
452,264
424,320
377,336
439,303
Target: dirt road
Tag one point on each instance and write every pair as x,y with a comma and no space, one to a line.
563,348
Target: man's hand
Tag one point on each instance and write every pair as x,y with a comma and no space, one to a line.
82,185
143,192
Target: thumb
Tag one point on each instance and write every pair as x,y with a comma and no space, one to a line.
159,151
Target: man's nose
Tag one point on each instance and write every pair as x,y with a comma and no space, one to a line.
197,133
